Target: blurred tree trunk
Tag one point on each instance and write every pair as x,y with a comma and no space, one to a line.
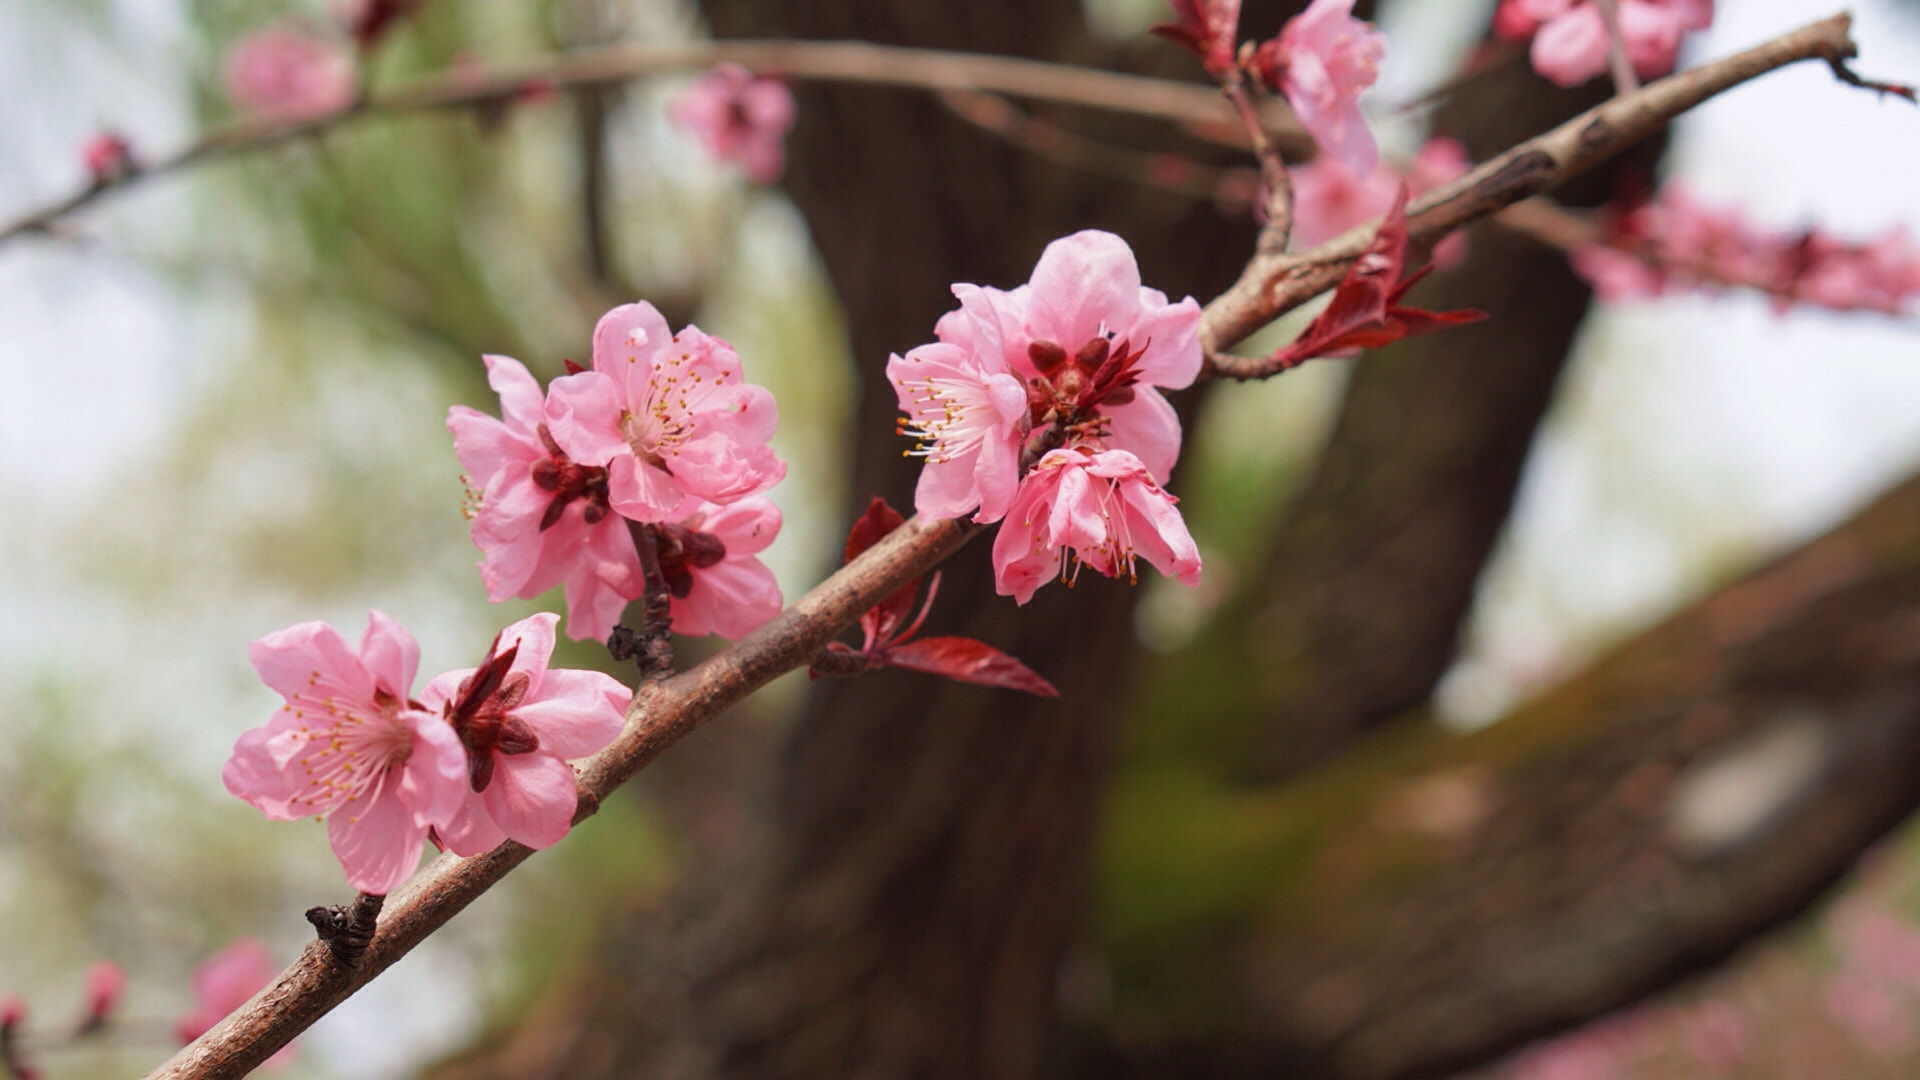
920,864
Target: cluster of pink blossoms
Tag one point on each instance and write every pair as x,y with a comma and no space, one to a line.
1675,243
480,756
1570,42
740,119
1321,62
661,432
1061,377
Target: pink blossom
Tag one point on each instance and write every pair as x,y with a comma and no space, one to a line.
222,983
708,560
1088,342
350,745
667,415
518,723
105,984
1329,198
541,518
1322,61
1615,275
1717,1036
1570,42
740,119
107,156
1882,1024
1677,242
1208,28
282,73
1103,510
969,416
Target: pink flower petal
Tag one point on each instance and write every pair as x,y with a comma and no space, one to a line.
532,798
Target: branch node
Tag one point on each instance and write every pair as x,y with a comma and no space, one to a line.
347,931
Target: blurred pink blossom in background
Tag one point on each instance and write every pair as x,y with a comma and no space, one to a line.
740,119
284,74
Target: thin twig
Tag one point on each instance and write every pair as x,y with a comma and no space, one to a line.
1625,80
1273,285
1168,172
664,712
823,61
1273,171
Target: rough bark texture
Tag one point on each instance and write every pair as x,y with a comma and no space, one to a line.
1431,900
921,863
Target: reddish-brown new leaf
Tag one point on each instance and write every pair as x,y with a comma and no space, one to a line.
969,661
880,621
1364,312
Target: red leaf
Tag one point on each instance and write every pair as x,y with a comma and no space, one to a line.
879,520
1364,311
881,620
968,661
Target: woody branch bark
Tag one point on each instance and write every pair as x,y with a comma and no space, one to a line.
664,712
827,61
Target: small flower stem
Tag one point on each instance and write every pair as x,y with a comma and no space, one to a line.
1273,170
1624,80
651,649
347,931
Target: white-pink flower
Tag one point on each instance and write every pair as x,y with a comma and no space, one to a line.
349,745
222,983
1322,61
540,517
1101,510
667,415
968,415
285,74
717,584
1570,42
518,723
740,119
1088,345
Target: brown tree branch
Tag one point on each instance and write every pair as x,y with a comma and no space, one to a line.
827,61
1275,284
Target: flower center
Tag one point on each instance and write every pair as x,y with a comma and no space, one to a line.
1072,387
568,481
481,713
684,549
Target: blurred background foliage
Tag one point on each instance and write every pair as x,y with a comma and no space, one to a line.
225,415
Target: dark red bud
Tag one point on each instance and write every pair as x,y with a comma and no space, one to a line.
705,549
1047,356
1091,355
516,737
546,474
595,512
479,771
573,368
